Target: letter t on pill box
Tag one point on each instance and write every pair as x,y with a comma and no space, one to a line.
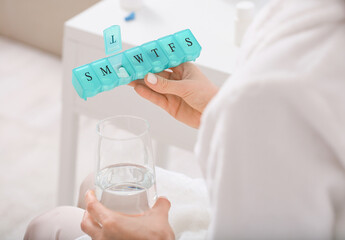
112,39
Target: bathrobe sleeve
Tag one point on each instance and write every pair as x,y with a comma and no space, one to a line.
272,142
269,173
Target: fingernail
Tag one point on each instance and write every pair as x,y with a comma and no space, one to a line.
151,78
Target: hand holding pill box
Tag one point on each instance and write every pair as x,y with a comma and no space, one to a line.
132,64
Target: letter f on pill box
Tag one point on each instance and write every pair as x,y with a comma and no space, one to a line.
112,39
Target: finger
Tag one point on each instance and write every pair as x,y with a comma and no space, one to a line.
179,69
165,86
152,96
97,211
136,82
162,205
89,226
164,74
170,75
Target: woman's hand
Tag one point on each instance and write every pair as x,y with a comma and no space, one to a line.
183,93
101,223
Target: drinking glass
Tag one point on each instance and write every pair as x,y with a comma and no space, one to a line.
125,175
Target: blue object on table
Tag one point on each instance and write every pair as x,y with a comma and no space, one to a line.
134,63
112,39
130,17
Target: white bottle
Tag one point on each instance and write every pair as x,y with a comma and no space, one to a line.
244,15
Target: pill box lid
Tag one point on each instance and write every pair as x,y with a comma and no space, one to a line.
112,40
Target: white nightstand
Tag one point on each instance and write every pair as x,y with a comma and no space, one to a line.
210,21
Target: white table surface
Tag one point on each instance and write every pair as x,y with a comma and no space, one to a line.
211,21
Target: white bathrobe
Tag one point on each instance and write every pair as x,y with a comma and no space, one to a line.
272,142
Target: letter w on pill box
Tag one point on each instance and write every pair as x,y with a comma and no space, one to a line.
122,68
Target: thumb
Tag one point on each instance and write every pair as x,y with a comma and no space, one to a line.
162,205
163,85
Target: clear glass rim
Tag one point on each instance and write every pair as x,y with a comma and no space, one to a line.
98,127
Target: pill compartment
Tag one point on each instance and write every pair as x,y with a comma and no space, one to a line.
106,74
172,50
112,39
85,81
189,44
155,53
139,61
123,69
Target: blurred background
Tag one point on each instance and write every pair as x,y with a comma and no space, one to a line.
31,35
39,23
32,69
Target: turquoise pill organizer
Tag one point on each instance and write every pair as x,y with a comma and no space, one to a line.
122,68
